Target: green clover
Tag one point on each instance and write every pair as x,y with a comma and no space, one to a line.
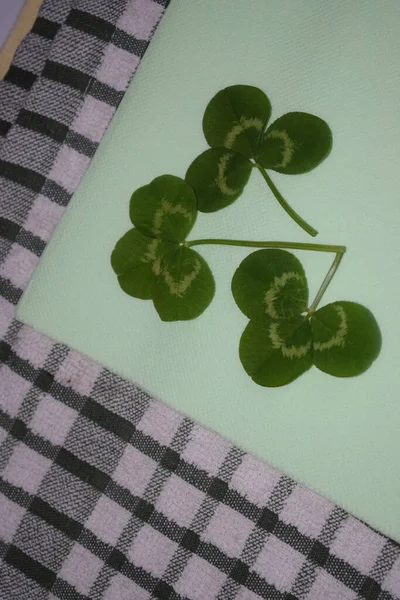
284,338
234,126
152,261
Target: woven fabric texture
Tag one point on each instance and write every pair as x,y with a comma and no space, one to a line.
106,493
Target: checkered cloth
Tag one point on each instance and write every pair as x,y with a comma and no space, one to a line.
105,492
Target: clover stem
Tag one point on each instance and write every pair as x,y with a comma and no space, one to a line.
250,244
292,213
326,282
338,250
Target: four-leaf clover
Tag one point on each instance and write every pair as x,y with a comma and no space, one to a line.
152,260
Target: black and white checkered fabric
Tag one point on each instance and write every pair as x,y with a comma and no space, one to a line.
106,493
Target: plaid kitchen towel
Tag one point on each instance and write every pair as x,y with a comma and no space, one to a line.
106,493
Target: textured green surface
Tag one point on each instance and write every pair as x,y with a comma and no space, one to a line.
334,59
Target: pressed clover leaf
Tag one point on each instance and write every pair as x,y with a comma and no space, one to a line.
135,260
275,353
218,177
270,284
295,143
165,209
185,286
284,337
152,260
346,339
236,118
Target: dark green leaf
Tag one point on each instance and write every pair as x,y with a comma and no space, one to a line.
236,118
270,284
346,339
295,143
218,177
275,353
164,209
136,261
185,286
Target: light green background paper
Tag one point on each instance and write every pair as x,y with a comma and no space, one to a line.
339,60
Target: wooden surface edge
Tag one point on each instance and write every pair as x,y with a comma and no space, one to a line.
22,26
